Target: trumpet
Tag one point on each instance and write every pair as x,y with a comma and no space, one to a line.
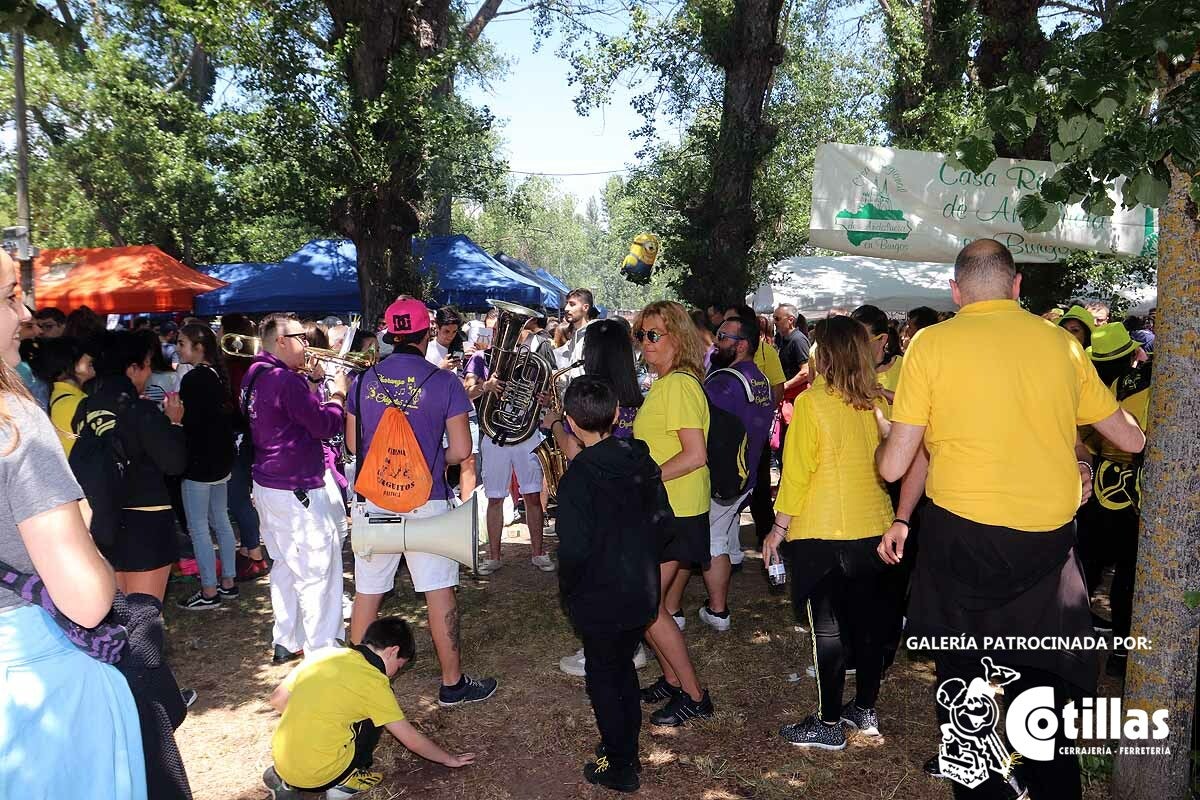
234,344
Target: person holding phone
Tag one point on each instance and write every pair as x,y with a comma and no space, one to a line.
445,348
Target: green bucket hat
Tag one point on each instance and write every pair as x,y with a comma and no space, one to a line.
1082,314
1110,342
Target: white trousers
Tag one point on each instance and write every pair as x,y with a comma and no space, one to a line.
306,576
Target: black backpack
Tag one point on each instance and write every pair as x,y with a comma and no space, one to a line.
728,445
100,464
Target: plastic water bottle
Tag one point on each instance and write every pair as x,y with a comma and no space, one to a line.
776,572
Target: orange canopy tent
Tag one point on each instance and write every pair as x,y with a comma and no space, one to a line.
117,280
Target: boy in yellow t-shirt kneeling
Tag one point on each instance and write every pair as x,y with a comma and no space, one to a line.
334,706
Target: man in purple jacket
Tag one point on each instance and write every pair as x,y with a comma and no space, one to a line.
299,519
734,384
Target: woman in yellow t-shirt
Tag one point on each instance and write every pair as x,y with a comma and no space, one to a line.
62,364
673,422
832,510
886,358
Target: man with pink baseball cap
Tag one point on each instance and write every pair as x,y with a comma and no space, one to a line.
436,405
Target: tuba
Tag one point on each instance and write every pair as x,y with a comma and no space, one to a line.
513,415
549,455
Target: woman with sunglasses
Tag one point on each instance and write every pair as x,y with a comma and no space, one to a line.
673,421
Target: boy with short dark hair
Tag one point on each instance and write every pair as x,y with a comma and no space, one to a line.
334,706
608,573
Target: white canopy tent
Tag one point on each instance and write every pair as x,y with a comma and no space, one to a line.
815,284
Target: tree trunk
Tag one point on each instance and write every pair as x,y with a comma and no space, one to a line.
386,43
725,221
1169,547
1012,44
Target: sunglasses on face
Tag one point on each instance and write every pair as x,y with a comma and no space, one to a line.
653,335
302,337
722,336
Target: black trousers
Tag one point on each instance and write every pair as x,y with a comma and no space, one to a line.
1110,536
762,509
612,685
1058,779
838,585
366,739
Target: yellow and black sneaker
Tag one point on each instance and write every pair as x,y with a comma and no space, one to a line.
358,781
604,773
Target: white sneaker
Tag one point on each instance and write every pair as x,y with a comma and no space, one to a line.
347,606
543,562
574,665
712,620
680,619
811,671
489,565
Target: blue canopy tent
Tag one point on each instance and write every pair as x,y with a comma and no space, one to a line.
468,277
320,276
555,296
552,280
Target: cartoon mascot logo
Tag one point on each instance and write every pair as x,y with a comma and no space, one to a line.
639,264
970,746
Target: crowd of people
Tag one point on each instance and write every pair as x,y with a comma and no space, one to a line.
913,482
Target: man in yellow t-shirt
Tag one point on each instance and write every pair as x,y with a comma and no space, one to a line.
334,706
995,394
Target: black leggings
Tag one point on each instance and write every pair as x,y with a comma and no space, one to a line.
843,608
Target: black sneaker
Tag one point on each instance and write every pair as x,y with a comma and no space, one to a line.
659,691
681,709
189,697
468,690
734,569
601,753
283,655
812,732
276,786
933,767
863,720
603,773
231,593
1115,666
198,602
1100,624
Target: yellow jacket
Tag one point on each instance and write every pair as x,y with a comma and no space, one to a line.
829,486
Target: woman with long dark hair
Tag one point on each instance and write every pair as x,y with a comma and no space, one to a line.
608,355
208,426
65,367
65,717
830,515
155,445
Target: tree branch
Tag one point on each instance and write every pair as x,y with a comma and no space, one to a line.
486,13
187,67
1072,7
65,10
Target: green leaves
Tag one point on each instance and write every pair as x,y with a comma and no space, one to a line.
1071,129
1036,215
1191,600
1149,189
976,154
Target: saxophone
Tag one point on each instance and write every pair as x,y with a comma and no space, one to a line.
549,455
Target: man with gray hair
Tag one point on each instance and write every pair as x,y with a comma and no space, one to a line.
793,356
997,555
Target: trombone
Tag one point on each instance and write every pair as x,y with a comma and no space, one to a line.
237,345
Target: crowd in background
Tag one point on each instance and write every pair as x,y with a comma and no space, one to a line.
813,399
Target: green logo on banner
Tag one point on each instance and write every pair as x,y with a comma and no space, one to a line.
872,222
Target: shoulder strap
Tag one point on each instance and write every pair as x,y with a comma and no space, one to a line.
249,390
358,428
742,378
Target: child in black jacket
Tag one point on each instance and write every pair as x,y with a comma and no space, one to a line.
608,571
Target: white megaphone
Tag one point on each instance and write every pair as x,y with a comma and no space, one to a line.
453,535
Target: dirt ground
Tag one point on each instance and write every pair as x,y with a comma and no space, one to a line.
534,735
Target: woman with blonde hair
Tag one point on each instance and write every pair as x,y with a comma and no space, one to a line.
59,705
673,421
831,512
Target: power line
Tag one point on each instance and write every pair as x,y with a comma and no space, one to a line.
569,174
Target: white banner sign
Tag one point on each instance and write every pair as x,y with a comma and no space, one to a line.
916,206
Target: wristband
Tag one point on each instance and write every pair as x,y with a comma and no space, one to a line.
314,381
903,522
780,527
557,422
1091,472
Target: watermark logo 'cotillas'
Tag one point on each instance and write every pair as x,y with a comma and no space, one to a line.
971,747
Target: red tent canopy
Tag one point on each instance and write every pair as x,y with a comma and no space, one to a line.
117,280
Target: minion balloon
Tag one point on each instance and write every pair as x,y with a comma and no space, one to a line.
639,264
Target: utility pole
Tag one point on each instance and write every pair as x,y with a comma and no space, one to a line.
23,215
